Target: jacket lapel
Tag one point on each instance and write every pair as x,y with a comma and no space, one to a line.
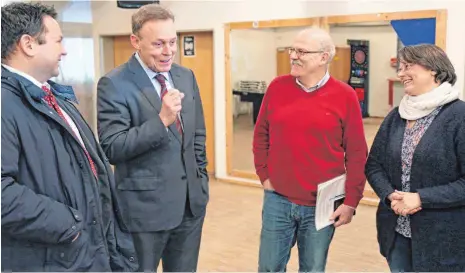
396,139
74,114
176,78
141,79
188,103
145,84
45,109
35,96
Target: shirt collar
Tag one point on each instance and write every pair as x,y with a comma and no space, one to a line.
319,84
149,71
26,76
63,91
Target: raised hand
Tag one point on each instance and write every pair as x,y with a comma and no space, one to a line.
171,106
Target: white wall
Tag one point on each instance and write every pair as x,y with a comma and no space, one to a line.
285,36
383,46
253,55
252,58
211,15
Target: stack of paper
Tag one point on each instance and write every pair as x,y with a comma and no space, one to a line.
328,192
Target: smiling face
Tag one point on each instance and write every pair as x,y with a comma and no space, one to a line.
32,39
424,67
416,78
156,43
49,54
306,55
44,53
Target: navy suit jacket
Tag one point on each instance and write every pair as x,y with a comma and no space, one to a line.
155,168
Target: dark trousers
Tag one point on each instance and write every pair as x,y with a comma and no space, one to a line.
178,248
400,257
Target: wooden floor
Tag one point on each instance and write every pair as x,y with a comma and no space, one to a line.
232,228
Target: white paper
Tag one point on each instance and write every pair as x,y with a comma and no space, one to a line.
328,192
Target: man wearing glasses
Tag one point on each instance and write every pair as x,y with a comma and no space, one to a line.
309,130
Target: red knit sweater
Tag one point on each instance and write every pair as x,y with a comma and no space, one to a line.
302,139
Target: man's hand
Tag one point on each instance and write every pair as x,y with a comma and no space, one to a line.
410,203
343,214
171,106
267,185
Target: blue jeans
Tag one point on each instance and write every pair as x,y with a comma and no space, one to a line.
285,223
400,257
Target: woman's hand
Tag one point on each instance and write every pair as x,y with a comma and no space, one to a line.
395,196
405,203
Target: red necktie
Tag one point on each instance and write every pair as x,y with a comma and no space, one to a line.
161,79
52,102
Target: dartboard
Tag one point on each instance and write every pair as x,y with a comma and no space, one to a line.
359,56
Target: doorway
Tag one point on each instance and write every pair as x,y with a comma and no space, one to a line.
283,65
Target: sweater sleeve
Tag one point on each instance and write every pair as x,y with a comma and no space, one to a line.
375,168
261,139
452,194
356,151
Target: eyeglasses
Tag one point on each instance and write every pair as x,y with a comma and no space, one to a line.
300,52
403,67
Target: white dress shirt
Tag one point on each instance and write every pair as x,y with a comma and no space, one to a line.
151,74
319,84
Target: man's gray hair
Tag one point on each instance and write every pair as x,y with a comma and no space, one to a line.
325,40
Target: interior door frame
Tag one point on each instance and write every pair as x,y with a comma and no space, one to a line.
250,178
180,49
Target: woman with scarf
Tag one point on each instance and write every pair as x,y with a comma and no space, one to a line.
416,166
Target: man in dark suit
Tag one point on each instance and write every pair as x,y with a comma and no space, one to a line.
151,127
59,211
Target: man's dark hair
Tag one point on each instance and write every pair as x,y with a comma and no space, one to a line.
20,19
432,58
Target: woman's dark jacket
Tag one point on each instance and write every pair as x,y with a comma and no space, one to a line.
49,193
438,175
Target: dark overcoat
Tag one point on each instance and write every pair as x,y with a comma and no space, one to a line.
49,193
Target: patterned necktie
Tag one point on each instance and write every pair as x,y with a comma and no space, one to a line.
161,79
52,102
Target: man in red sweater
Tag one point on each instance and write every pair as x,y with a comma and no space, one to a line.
309,130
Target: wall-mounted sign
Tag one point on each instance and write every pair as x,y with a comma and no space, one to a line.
189,46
